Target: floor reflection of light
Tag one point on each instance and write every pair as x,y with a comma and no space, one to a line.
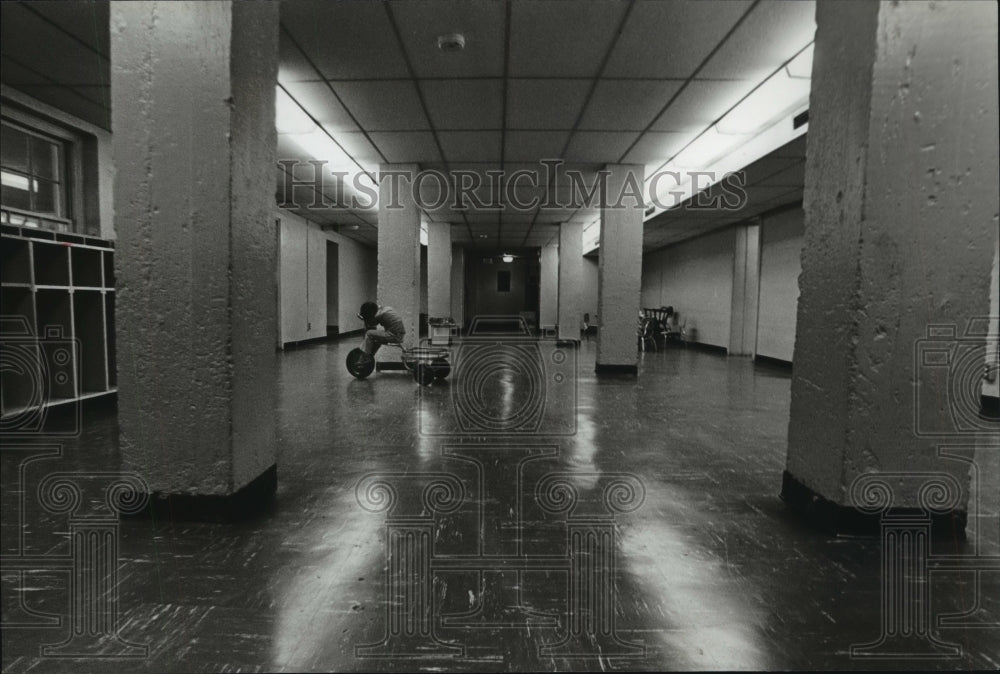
315,611
708,625
582,449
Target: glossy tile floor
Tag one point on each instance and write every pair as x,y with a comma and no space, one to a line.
560,522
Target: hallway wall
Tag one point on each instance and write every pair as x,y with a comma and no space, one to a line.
696,278
780,263
303,278
588,298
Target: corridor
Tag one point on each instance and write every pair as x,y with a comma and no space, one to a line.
706,568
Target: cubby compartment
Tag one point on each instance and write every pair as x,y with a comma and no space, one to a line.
87,267
55,341
15,262
88,320
109,332
51,264
58,324
109,269
20,385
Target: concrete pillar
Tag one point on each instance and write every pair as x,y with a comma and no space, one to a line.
746,291
548,300
194,149
570,280
620,272
900,226
458,284
399,246
438,269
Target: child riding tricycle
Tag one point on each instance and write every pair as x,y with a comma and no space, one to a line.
384,327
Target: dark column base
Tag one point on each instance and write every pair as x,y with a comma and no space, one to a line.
246,503
839,519
602,368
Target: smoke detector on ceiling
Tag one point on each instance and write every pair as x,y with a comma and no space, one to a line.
451,42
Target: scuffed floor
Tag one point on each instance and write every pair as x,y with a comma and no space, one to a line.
575,524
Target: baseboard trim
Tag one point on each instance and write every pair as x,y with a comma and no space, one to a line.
839,519
319,340
776,362
711,348
251,500
989,407
604,368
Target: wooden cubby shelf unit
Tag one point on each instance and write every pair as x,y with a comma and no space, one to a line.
58,295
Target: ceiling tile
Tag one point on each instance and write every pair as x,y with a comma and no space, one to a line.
87,21
701,103
551,38
599,146
774,32
406,147
464,104
346,40
545,104
293,66
627,105
31,41
533,146
671,39
656,147
359,147
461,146
319,101
387,105
480,23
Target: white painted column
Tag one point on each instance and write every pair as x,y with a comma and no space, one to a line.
458,284
438,269
620,274
548,300
399,246
570,280
746,291
900,233
193,88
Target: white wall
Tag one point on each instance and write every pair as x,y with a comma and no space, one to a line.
780,264
303,279
696,278
588,299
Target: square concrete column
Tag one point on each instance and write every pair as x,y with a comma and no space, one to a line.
193,86
620,271
458,284
399,245
901,210
548,299
570,280
438,269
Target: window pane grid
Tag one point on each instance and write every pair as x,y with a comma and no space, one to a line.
31,169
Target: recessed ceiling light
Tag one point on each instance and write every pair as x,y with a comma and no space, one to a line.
451,42
484,236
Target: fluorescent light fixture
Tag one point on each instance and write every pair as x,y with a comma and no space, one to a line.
508,258
288,116
319,145
766,104
801,66
706,148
